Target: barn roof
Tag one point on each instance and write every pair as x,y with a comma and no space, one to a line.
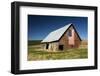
56,35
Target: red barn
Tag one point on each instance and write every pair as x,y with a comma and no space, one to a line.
63,38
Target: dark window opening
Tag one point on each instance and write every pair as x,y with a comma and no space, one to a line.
61,47
47,46
69,33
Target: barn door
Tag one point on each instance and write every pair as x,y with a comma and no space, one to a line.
47,46
61,47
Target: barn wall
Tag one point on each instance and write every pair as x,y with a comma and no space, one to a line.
77,41
70,42
74,40
43,46
53,46
64,41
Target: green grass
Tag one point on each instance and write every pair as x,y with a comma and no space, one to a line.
35,53
34,42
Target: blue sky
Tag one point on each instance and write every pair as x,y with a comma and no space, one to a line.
40,26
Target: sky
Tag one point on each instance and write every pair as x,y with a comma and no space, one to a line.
39,26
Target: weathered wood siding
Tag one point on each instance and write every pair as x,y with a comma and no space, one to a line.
64,41
71,38
77,41
70,42
53,46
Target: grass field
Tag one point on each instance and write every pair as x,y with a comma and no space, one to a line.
35,52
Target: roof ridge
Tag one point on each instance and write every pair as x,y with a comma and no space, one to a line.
61,27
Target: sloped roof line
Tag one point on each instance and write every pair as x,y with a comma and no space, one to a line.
56,34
